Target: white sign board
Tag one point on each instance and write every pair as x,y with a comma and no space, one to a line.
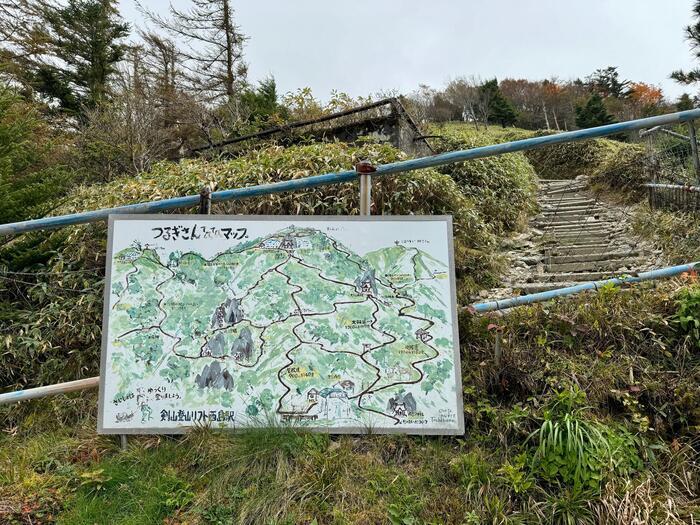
342,324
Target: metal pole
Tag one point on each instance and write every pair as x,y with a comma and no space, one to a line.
694,149
365,194
43,391
364,168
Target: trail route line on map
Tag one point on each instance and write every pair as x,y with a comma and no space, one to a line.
290,327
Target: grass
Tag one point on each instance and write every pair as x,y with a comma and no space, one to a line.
615,365
677,234
590,416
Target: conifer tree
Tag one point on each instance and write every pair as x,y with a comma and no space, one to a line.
593,113
212,58
692,34
67,52
684,102
500,109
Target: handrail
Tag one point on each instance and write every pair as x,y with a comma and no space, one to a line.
350,175
661,273
682,187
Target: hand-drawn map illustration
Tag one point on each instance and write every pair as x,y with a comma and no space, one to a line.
345,324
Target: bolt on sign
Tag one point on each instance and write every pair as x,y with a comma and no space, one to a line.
337,324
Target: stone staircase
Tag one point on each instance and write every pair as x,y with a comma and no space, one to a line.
575,238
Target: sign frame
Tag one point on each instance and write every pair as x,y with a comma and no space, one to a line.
357,430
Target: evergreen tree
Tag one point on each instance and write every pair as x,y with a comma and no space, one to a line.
67,52
261,104
500,109
85,36
606,82
593,113
31,168
684,102
692,34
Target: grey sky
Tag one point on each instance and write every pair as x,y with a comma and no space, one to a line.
363,46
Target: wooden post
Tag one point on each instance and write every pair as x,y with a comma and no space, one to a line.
123,441
694,149
205,200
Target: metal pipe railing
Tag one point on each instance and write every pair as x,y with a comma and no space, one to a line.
681,187
350,175
672,271
661,273
50,390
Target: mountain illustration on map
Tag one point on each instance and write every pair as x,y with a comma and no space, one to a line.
291,327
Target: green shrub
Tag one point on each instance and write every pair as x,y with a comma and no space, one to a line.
504,185
31,171
579,452
43,317
688,313
677,234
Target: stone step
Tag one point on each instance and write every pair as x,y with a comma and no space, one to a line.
588,257
592,266
579,217
589,238
585,211
553,243
563,197
580,226
574,225
556,181
568,201
561,232
574,276
580,207
565,190
574,249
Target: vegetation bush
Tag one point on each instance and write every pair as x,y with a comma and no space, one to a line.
609,163
590,415
615,365
504,186
43,314
677,234
32,163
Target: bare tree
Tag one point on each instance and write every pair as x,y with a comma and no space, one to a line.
212,58
464,93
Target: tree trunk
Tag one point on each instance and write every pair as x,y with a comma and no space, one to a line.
228,30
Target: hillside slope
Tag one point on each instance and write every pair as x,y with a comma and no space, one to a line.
584,411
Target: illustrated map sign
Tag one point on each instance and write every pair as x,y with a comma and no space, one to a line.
341,324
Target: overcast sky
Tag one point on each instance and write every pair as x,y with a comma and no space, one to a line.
364,46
